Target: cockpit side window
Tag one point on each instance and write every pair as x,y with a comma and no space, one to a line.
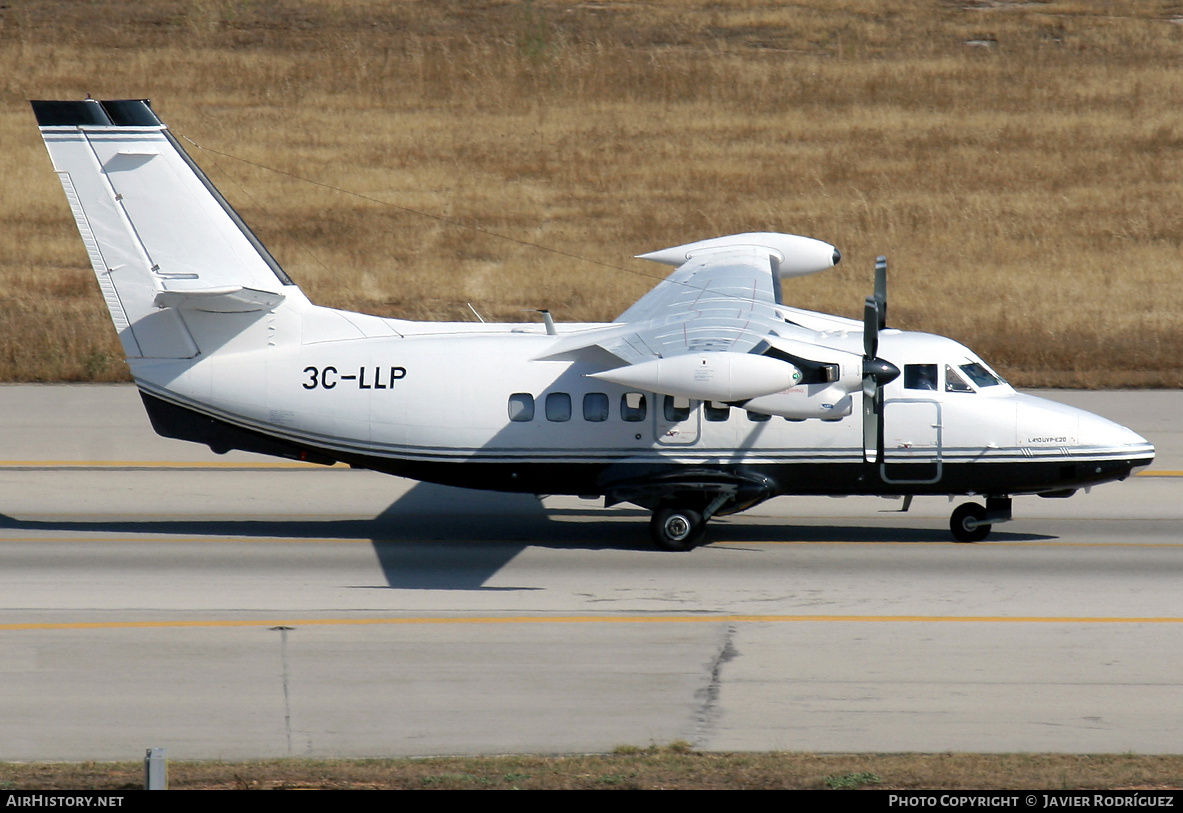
920,376
954,382
980,375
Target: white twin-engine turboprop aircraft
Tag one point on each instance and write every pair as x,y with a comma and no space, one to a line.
706,397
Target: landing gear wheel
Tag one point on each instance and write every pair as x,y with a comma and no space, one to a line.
964,521
676,529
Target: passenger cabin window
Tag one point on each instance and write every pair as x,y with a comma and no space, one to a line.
756,417
676,409
595,407
920,376
716,411
558,407
632,406
954,382
521,407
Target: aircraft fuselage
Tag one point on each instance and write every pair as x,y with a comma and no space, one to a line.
481,406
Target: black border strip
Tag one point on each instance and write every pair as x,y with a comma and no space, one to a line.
52,113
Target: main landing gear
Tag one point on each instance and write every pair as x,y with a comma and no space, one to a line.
682,504
972,523
677,529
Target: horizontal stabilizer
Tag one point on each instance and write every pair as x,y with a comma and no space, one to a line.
234,299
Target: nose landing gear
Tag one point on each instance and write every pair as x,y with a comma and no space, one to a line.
968,523
972,523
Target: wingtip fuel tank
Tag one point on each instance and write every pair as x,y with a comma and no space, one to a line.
795,255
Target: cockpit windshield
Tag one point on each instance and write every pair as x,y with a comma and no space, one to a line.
980,375
957,379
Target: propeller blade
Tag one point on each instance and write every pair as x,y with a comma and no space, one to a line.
876,374
881,289
876,371
871,423
870,328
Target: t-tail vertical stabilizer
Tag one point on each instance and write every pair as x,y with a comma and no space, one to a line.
168,250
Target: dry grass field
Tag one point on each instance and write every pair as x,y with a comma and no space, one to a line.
673,767
1019,163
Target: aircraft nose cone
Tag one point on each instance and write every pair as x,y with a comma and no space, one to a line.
1098,431
837,256
1047,423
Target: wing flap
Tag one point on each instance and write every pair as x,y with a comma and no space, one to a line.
722,301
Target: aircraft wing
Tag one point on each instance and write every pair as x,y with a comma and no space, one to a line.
722,301
693,335
723,297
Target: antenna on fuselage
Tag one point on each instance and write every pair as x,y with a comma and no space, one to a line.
546,319
474,313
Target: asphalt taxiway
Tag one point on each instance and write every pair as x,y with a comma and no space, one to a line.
155,594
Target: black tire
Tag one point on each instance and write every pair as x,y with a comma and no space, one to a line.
962,532
676,529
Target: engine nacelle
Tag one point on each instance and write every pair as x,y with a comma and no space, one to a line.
717,376
819,364
830,402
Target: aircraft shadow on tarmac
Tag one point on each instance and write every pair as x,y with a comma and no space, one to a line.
440,538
